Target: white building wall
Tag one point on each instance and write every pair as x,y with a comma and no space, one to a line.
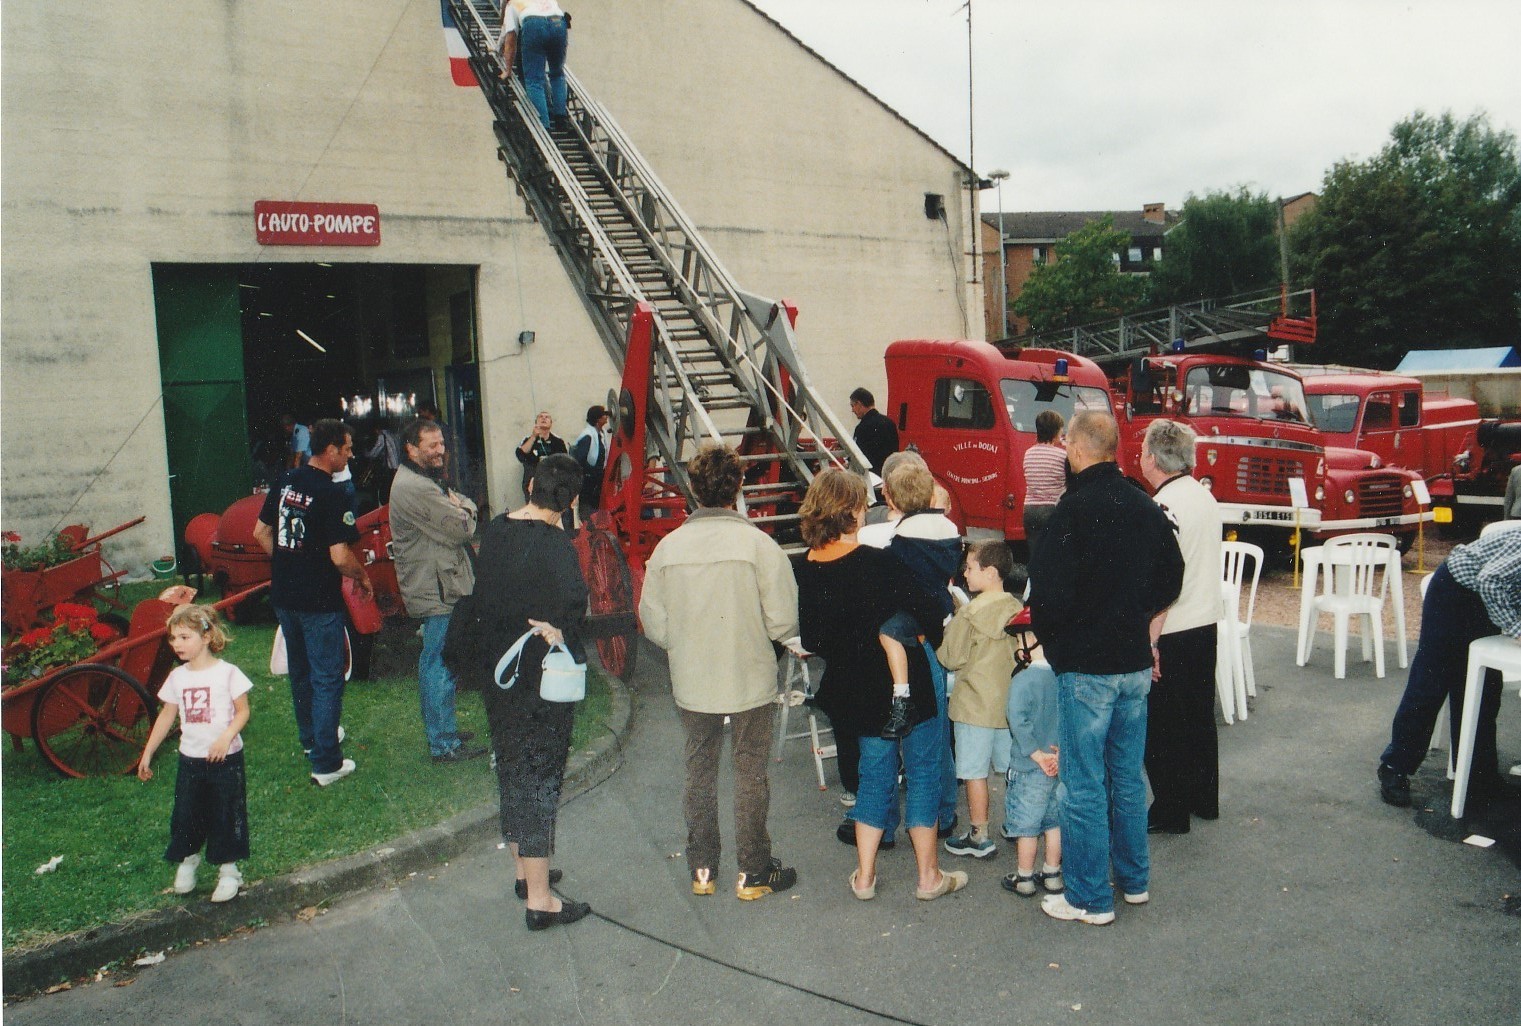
144,132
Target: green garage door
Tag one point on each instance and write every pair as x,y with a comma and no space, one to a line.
200,347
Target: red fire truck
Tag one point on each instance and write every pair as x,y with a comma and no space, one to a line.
970,409
1465,451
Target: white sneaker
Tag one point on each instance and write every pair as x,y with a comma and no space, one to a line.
848,799
1138,899
324,779
1057,907
228,882
184,877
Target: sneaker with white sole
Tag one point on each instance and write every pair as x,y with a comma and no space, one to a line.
1058,907
184,877
969,844
1138,899
848,799
228,882
324,779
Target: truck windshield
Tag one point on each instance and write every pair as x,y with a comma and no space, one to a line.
1334,413
1026,399
1234,390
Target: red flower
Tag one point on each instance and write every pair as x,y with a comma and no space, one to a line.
11,536
36,636
103,633
73,611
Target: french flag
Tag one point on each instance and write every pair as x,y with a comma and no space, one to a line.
459,55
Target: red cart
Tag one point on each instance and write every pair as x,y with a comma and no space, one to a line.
93,718
84,578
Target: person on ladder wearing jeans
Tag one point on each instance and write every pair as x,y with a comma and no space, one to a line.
540,31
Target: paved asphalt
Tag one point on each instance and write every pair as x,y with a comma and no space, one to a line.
1307,902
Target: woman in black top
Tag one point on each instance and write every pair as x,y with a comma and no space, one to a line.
846,591
528,576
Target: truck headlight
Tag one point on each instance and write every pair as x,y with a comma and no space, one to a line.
1350,496
1208,483
1409,492
1320,493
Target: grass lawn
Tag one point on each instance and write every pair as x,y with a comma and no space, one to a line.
112,832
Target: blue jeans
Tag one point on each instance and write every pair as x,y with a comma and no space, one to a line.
948,783
543,42
1103,737
877,796
1452,616
314,652
435,687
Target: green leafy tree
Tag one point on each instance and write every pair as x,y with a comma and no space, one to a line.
1225,243
1083,282
1418,247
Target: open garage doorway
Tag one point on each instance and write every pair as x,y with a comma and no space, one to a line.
372,344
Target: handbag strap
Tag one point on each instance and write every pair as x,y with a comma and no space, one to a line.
509,657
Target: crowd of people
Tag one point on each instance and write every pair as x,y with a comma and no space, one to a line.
924,684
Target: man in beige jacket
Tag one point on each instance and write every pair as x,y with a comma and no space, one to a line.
717,592
430,526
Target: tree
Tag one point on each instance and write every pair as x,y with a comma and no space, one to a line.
1418,247
1224,244
1083,282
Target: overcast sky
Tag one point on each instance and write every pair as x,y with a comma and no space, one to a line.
1108,104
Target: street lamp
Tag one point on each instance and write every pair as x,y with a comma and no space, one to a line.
1003,267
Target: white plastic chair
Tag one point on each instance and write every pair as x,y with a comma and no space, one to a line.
1233,559
1497,652
1355,572
1225,665
1499,525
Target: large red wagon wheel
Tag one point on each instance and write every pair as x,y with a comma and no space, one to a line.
92,720
612,591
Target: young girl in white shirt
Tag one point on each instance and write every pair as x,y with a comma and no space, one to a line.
210,697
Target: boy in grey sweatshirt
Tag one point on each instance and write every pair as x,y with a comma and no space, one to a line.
1030,807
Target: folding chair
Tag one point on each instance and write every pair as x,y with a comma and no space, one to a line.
798,681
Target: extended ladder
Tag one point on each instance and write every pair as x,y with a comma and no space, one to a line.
702,361
1257,318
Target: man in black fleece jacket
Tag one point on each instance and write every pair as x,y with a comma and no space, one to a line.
1106,564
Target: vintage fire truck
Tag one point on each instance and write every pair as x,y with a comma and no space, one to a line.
970,408
1463,449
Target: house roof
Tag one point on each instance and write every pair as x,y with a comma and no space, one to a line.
875,99
1054,225
1459,359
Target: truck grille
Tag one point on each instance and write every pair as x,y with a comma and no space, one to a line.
1265,475
1380,495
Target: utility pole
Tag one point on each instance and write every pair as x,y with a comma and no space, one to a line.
1000,176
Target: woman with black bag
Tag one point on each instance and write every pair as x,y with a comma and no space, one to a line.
527,578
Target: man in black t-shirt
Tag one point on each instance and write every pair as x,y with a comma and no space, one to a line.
307,526
875,434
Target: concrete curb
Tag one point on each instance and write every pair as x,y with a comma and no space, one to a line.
82,953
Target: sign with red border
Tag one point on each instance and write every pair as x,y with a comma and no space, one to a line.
281,223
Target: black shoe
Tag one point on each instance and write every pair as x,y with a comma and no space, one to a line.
1166,828
520,887
460,753
948,829
897,721
1393,786
846,832
570,911
776,877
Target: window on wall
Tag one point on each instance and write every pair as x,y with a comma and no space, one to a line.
962,403
1135,254
1038,254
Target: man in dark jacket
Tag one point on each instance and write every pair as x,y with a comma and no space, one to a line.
1106,564
875,434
